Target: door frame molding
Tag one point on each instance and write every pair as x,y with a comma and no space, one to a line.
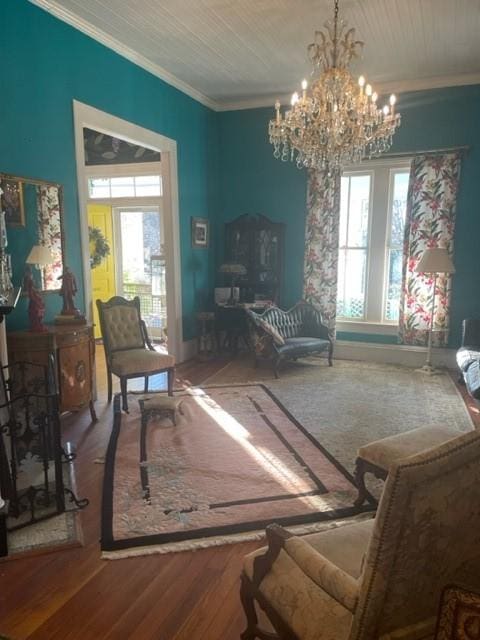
92,118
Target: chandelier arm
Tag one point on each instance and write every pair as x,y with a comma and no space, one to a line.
335,33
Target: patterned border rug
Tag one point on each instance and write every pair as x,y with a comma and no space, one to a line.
353,403
235,461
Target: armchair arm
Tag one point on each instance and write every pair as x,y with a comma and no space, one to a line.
276,538
340,585
471,332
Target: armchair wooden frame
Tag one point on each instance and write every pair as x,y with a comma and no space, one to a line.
147,344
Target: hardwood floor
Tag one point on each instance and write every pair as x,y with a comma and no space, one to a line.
74,594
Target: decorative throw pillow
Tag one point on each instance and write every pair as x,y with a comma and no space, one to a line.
271,330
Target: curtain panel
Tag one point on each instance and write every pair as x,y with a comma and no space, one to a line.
50,233
430,222
321,244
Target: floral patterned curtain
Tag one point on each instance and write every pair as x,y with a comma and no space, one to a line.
430,222
321,244
50,233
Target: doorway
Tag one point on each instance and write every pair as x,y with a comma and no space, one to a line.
136,265
161,256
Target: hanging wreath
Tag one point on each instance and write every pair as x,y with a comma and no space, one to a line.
99,247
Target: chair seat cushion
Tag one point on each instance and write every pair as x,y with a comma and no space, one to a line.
382,453
308,610
140,361
300,346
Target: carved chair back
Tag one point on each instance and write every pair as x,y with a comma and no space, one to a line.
426,535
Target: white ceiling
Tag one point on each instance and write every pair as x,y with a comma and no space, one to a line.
233,53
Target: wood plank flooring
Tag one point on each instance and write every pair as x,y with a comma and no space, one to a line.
74,594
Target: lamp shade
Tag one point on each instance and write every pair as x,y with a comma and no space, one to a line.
40,255
235,269
435,260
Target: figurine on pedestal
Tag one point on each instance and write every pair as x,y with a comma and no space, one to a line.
67,291
36,306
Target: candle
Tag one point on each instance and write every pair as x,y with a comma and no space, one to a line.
393,100
304,89
277,109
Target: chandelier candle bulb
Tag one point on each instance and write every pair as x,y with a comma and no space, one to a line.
393,100
277,109
338,121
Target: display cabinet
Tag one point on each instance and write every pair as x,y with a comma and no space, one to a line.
258,244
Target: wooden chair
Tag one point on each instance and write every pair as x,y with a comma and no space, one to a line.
382,578
129,352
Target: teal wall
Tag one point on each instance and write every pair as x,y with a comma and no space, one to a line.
45,65
252,181
225,163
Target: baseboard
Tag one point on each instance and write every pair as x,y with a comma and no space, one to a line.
406,355
189,350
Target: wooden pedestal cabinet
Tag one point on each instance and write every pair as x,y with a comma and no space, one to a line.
73,348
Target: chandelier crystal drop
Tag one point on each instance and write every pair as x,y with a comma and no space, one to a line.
336,121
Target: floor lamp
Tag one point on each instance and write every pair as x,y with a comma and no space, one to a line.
433,261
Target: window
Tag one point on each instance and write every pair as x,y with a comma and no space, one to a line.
372,219
124,187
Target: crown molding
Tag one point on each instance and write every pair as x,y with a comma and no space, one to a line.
126,52
382,88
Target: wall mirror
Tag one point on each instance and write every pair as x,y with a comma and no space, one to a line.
34,216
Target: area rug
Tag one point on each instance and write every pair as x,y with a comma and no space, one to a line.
354,403
59,532
235,461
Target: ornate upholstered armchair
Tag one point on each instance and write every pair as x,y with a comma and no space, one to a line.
129,352
378,579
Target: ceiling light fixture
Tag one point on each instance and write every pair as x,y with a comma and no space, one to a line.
337,121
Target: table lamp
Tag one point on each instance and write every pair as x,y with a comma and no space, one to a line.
39,256
434,260
234,270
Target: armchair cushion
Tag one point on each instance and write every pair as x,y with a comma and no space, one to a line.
332,559
382,453
302,604
133,361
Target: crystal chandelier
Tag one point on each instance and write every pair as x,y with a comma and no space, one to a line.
337,121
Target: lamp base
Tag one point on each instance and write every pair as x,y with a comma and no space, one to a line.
429,370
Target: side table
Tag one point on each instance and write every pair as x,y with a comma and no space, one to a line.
73,349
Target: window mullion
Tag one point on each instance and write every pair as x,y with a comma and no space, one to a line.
378,237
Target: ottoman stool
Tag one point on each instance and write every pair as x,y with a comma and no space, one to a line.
162,407
377,456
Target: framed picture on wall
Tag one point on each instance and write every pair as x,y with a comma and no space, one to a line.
11,201
200,232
